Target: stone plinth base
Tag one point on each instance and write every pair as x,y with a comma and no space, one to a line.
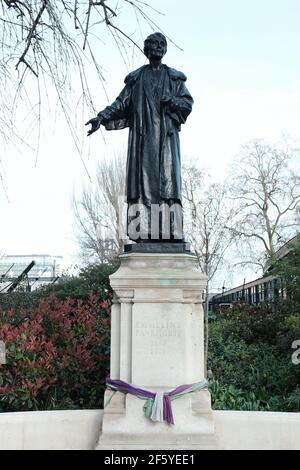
126,427
157,343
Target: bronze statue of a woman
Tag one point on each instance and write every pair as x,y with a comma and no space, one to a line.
153,104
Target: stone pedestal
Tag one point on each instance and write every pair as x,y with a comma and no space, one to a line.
157,343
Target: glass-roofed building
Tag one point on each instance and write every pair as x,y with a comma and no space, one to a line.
46,266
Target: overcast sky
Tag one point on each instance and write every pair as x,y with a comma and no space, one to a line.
241,60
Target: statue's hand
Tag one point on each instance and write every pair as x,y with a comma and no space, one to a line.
171,102
95,123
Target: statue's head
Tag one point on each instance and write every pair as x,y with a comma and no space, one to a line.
155,46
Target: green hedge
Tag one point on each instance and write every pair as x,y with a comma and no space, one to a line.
250,356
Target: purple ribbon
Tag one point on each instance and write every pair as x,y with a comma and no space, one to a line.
142,393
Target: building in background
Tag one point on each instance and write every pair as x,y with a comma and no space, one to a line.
264,289
42,269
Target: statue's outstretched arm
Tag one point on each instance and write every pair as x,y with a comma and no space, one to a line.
95,123
117,110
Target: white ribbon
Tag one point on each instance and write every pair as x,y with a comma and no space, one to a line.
158,407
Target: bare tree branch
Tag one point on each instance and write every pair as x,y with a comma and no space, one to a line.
45,38
32,32
207,217
267,193
97,212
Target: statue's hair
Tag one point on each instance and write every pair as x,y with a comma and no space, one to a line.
150,38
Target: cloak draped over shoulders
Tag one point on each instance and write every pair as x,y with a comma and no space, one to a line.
153,159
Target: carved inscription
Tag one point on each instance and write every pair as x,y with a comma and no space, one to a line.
158,335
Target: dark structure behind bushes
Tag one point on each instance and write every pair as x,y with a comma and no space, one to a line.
268,288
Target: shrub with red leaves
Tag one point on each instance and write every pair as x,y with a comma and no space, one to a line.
57,354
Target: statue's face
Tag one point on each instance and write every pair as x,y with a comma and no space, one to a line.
157,47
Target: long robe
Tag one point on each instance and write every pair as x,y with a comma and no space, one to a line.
153,160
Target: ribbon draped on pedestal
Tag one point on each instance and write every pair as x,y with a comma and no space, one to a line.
158,405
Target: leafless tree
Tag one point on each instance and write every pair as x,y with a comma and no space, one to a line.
208,217
47,45
266,191
98,213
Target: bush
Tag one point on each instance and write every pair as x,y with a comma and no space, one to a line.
250,357
94,278
57,354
